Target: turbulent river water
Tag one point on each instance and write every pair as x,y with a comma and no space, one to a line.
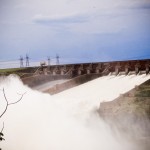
65,121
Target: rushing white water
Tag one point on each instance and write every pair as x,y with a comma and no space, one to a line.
65,121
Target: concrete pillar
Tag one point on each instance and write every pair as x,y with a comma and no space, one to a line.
62,72
147,69
137,67
79,72
88,71
126,70
136,70
116,70
45,71
97,71
54,72
71,72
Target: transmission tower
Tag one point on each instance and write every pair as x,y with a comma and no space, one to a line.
49,61
21,61
27,60
57,59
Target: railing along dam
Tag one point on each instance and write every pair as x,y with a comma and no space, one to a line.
103,68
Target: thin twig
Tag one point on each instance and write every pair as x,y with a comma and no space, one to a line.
18,100
2,128
7,103
1,134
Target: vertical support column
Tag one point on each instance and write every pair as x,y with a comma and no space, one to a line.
126,70
80,69
127,66
97,71
116,70
117,67
88,69
45,71
137,68
63,70
55,70
147,68
98,68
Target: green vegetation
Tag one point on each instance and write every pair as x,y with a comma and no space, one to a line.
12,70
18,71
143,91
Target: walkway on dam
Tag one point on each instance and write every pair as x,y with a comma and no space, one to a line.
45,86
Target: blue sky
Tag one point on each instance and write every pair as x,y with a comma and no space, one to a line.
77,30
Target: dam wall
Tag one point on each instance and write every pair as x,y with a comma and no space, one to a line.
103,68
46,74
41,79
71,83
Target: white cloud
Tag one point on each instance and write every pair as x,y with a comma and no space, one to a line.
55,19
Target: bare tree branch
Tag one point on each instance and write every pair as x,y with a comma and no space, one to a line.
2,128
18,100
6,107
1,134
7,103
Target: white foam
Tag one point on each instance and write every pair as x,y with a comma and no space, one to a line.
87,96
64,121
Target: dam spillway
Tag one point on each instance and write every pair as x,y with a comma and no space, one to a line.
103,68
81,73
102,89
67,117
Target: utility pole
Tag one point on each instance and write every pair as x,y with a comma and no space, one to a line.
27,60
49,60
57,59
21,61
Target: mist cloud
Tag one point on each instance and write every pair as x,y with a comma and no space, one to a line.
62,122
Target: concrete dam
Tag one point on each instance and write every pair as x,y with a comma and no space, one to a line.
103,68
78,118
103,112
57,78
